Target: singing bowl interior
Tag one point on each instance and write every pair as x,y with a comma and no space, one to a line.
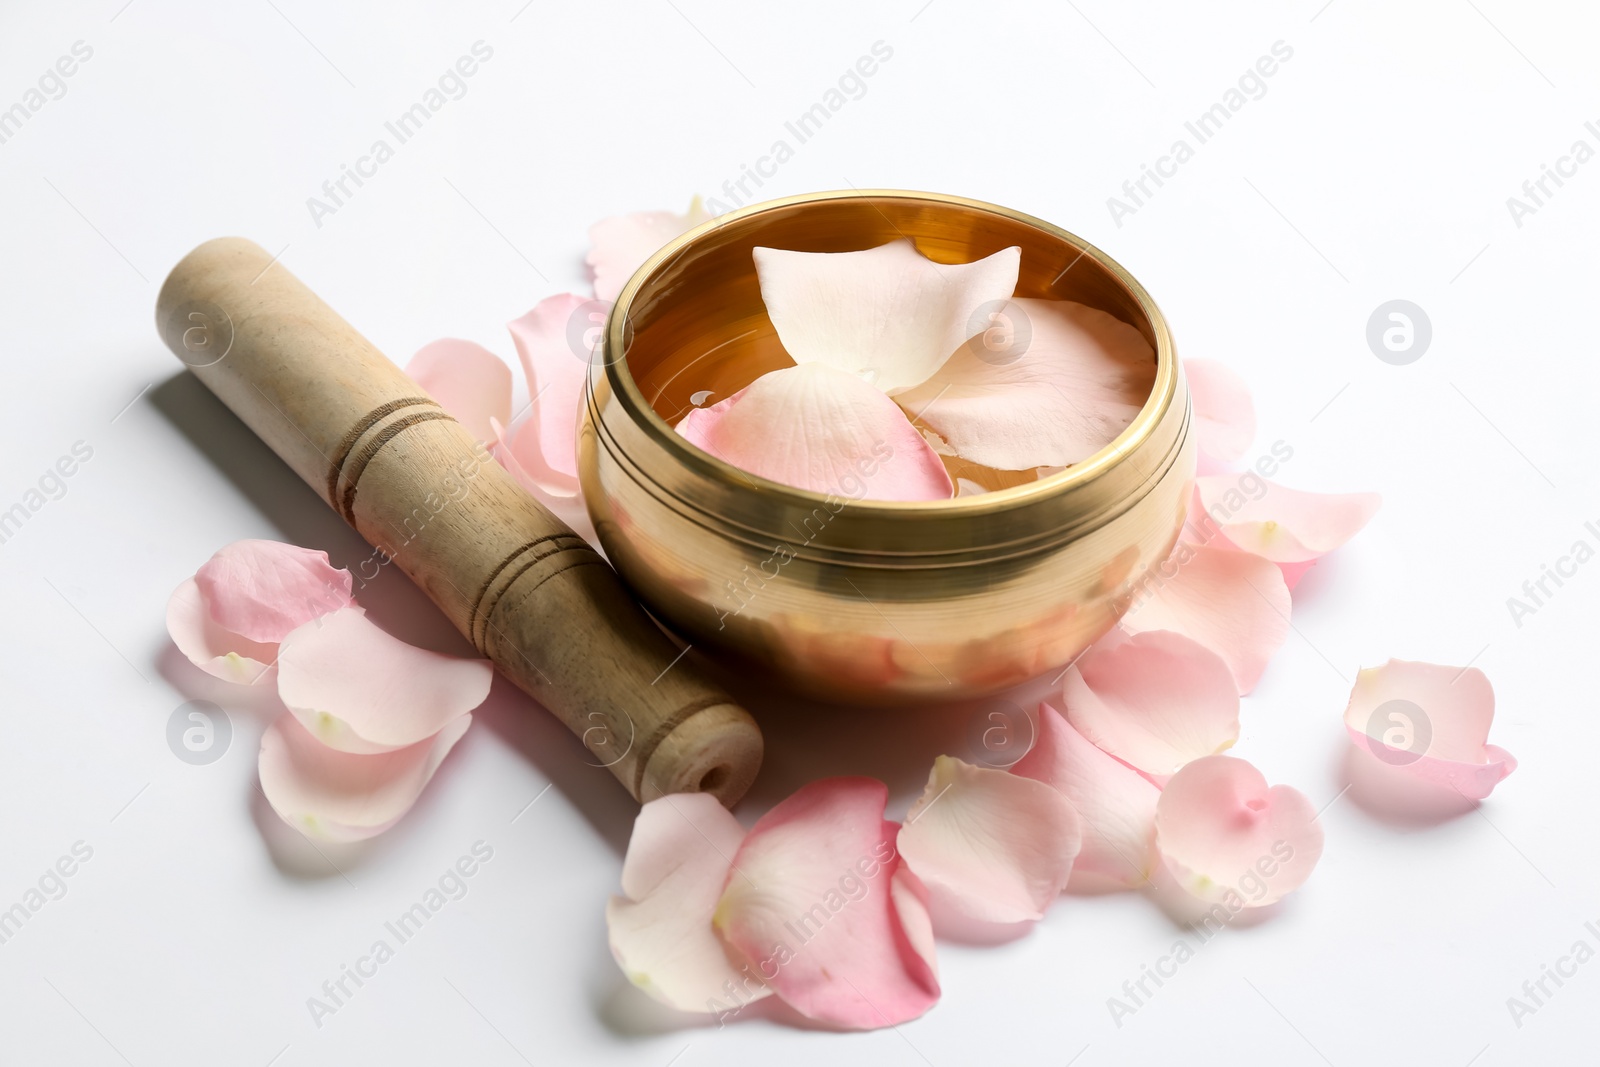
854,599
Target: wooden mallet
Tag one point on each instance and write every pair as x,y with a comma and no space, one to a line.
515,580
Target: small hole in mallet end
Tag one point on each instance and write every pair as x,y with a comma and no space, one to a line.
713,779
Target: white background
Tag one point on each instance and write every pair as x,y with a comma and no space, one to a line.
1377,166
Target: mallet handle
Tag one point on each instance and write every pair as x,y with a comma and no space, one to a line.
514,579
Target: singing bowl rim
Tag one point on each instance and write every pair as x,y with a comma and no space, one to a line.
1163,393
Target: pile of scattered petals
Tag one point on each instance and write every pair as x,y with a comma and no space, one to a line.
369,717
823,902
833,909
813,904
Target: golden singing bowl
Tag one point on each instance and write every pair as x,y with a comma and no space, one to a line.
858,600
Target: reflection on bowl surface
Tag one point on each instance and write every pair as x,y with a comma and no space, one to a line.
853,599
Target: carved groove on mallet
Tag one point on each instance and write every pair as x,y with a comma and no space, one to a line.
366,423
577,557
358,464
570,541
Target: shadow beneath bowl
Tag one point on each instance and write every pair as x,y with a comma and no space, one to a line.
808,739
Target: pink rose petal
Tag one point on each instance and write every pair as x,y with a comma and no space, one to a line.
909,899
1155,700
561,496
1225,836
1224,416
621,244
660,927
469,381
341,796
1234,603
1056,387
1281,524
1293,572
555,343
261,590
1432,721
817,428
217,651
1116,805
967,487
989,844
812,904
357,689
888,315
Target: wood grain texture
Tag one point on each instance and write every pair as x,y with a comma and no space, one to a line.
529,593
